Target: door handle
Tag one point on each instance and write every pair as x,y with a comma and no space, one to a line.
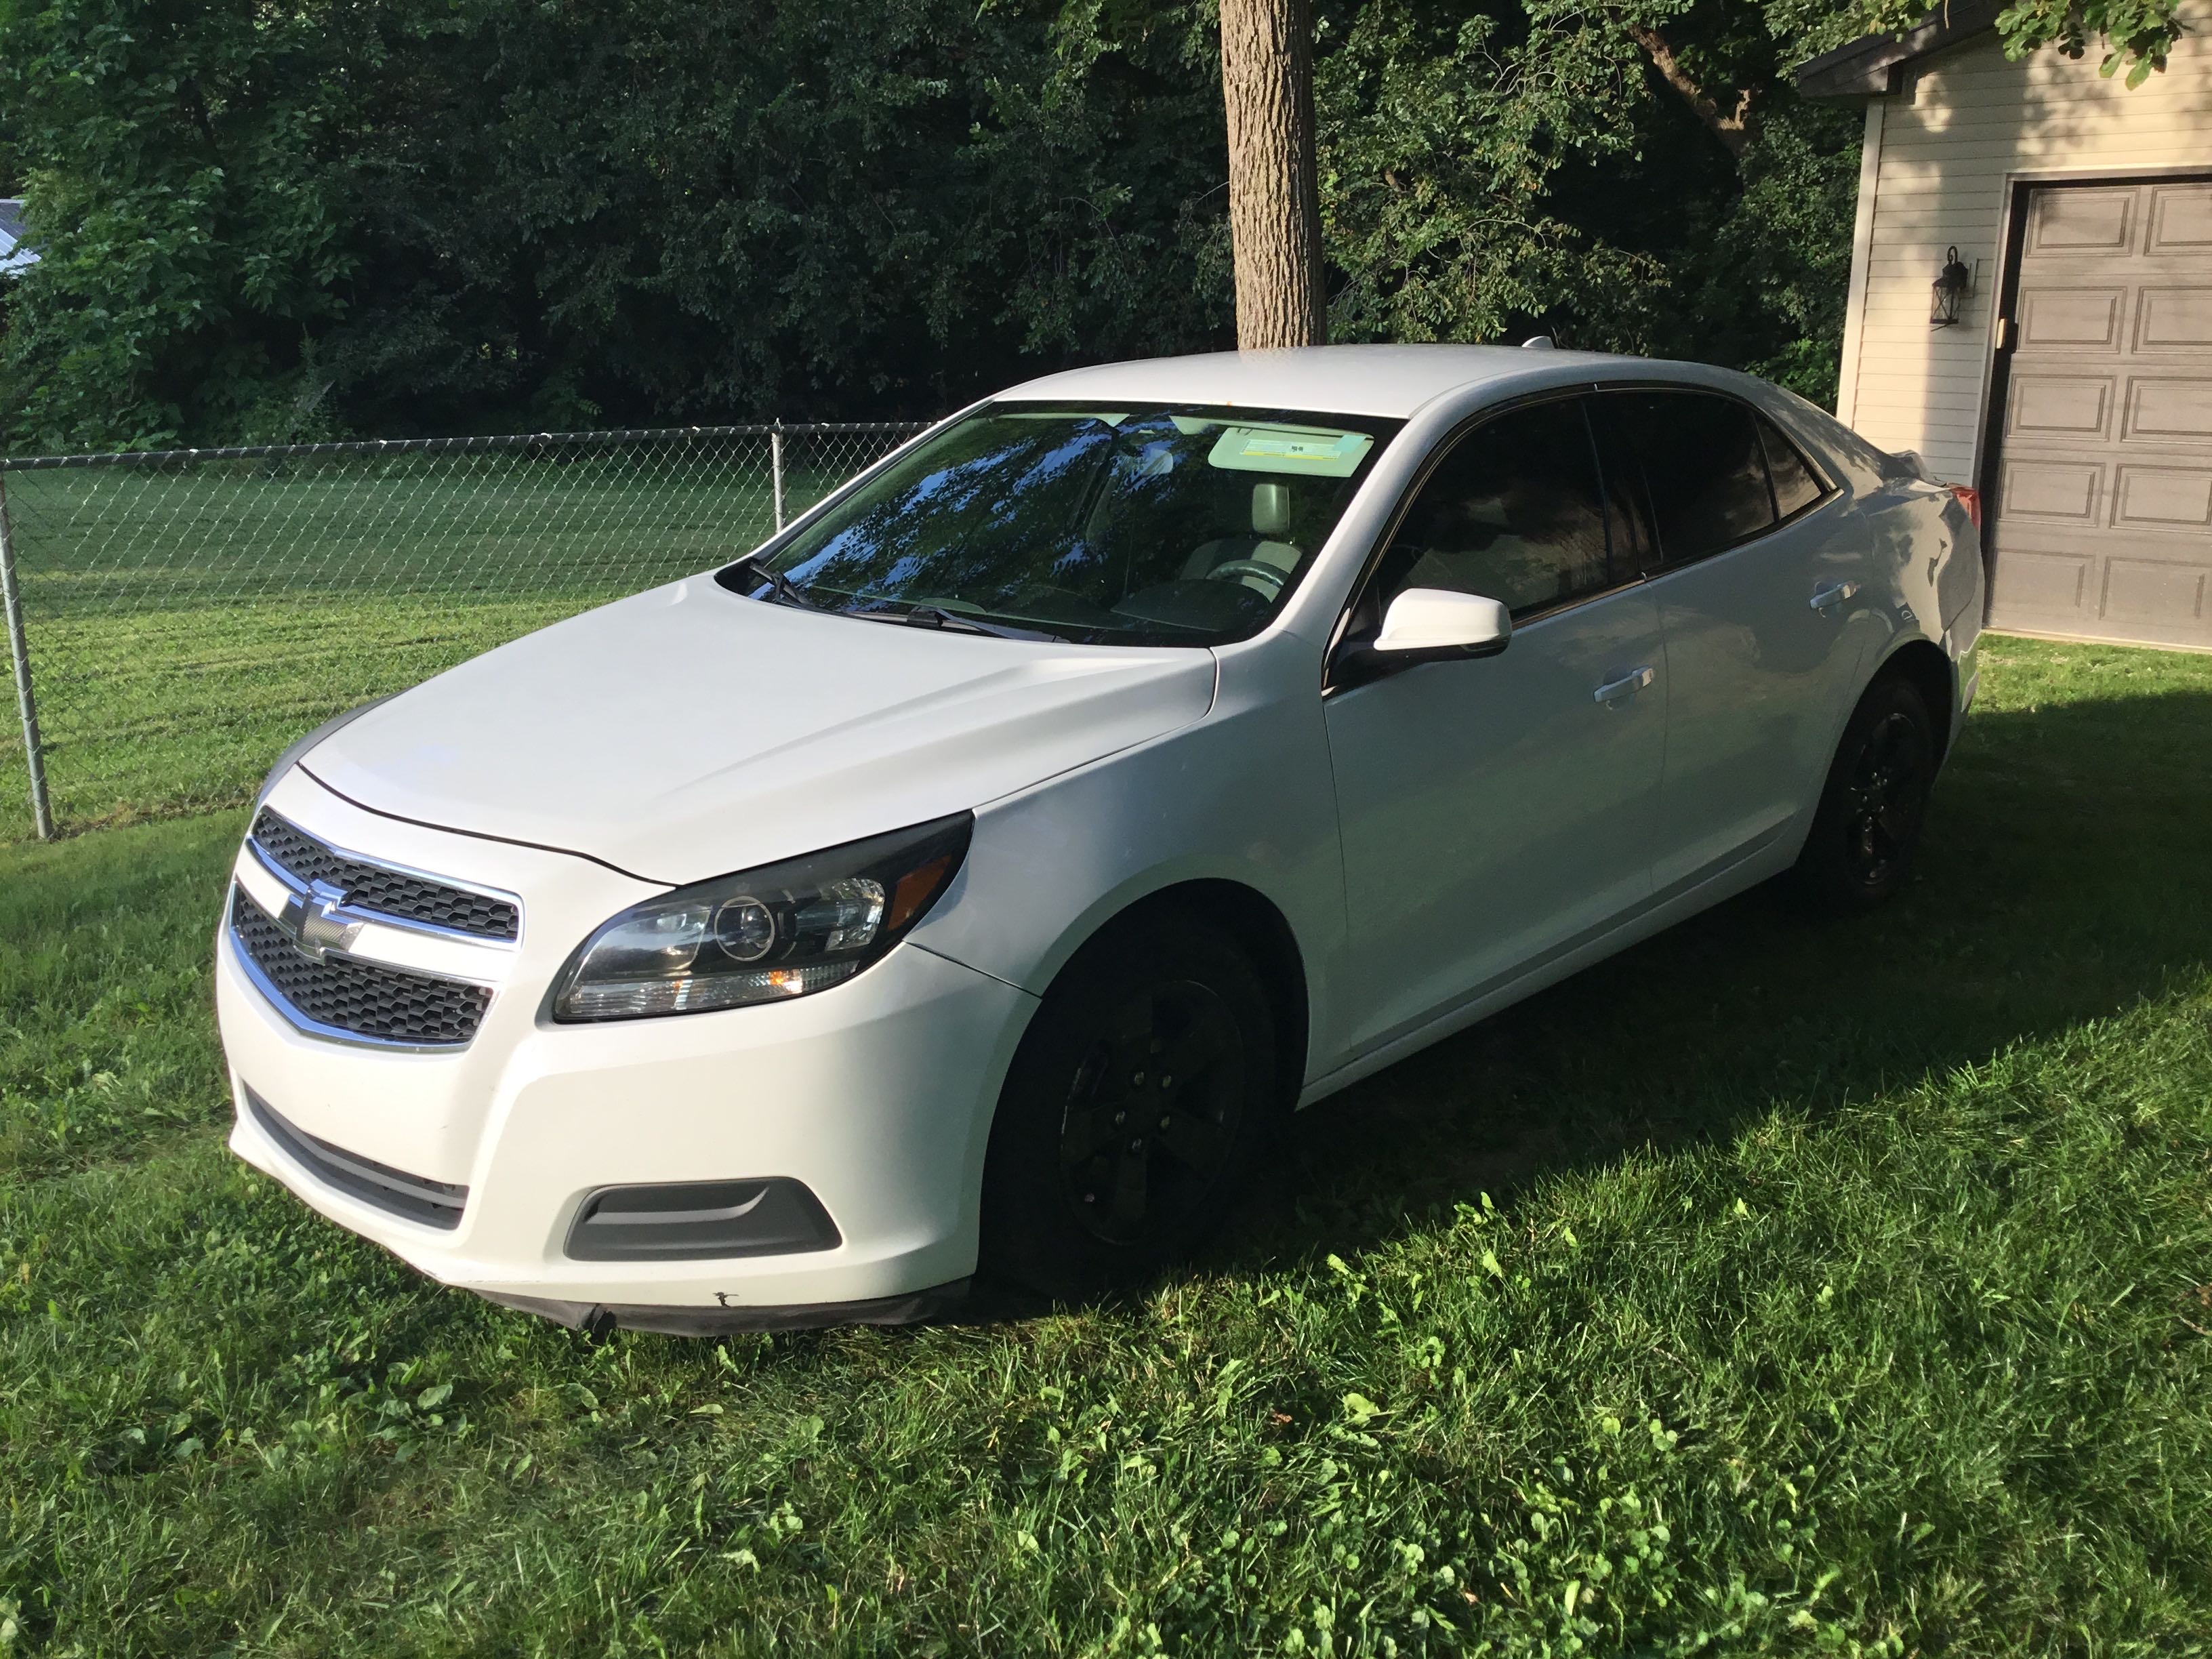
1627,686
1833,594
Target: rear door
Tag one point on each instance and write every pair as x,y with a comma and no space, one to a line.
1760,573
1497,812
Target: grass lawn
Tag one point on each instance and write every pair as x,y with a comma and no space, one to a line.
1777,1286
185,625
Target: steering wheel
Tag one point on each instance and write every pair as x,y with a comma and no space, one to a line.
1237,570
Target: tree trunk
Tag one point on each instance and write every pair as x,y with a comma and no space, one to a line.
1734,130
1274,192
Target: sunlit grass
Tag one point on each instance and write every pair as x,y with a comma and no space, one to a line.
186,624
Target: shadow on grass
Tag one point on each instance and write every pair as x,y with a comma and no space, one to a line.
2067,874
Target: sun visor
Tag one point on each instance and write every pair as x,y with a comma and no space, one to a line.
1313,452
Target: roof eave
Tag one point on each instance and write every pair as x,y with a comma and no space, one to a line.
1875,66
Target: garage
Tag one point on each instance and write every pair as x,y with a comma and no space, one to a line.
2100,519
2030,312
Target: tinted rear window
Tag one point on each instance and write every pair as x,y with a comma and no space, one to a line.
1703,468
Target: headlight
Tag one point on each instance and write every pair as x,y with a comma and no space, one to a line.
764,935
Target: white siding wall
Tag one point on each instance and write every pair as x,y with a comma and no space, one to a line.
1972,120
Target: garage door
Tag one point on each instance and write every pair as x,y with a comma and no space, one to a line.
2102,520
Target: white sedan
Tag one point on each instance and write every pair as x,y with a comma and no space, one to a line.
972,879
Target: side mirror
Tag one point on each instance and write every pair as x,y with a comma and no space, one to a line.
1427,624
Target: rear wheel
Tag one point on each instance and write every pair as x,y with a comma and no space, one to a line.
1135,1112
1867,828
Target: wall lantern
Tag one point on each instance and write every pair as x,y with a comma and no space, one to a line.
1950,292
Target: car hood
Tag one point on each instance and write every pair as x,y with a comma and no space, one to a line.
688,732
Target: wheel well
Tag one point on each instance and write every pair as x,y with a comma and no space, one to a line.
1251,918
1928,671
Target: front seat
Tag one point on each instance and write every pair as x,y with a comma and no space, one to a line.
1271,517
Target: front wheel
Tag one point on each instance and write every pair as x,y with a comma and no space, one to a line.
1868,825
1136,1109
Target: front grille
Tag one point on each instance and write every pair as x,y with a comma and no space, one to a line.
388,892
438,1203
347,994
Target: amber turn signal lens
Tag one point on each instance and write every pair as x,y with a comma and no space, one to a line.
917,888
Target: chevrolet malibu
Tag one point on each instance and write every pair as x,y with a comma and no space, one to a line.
972,879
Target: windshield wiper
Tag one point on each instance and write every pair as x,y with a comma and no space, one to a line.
936,616
780,585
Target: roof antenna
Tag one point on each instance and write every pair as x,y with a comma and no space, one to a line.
1538,343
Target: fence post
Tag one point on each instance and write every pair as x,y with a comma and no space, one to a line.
776,469
19,646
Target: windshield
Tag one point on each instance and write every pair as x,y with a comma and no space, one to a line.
1165,526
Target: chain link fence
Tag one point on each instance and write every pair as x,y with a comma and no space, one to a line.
175,619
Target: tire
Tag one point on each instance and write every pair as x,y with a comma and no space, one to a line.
1868,825
1135,1111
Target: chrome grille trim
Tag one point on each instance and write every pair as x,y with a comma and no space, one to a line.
395,893
256,938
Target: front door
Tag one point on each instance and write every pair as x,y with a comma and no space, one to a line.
2101,521
1497,812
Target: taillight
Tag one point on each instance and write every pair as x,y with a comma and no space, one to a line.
1971,500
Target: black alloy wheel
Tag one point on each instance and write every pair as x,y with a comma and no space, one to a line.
1152,1112
1868,826
1135,1108
1886,798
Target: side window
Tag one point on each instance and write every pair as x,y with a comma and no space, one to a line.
1628,510
1703,469
1514,513
1795,487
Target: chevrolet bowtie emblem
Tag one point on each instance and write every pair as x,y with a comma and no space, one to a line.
314,920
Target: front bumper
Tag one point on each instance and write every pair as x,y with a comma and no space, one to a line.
876,1095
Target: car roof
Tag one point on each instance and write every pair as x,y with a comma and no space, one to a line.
1390,381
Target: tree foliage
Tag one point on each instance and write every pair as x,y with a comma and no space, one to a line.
394,215
2137,33
1492,173
408,214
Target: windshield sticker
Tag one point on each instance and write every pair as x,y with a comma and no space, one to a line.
1291,449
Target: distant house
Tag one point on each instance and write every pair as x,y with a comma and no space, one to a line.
15,253
2074,387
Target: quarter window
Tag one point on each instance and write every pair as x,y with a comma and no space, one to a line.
1795,489
1514,513
1702,467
